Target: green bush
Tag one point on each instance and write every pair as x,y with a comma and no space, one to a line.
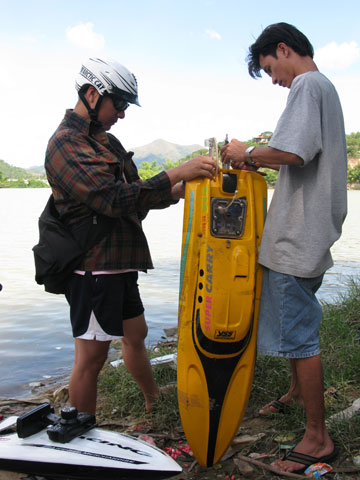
354,174
271,175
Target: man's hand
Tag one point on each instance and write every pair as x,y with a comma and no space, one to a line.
197,167
234,153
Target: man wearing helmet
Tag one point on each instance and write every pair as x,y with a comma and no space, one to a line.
92,175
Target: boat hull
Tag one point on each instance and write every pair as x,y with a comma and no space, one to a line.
220,288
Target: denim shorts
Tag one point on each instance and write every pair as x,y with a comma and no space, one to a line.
290,316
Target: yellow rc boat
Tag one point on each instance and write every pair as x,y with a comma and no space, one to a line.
220,286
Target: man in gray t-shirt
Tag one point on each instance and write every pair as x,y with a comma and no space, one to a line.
297,239
304,220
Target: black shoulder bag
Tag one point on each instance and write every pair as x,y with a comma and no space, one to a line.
60,249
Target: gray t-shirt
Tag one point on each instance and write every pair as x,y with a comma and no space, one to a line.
309,204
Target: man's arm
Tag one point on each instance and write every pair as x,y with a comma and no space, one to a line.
197,167
82,174
266,157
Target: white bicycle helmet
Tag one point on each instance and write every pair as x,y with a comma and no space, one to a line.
109,78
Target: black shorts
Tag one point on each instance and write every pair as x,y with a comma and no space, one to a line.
112,297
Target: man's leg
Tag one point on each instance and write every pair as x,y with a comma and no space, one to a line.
136,358
316,441
292,396
90,356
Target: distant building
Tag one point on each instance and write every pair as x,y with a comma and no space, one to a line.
263,138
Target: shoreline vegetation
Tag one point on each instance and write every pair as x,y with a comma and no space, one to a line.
259,440
35,177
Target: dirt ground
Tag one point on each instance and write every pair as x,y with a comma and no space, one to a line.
238,463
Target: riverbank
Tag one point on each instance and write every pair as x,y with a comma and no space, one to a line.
259,439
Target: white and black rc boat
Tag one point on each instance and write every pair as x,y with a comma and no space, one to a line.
71,446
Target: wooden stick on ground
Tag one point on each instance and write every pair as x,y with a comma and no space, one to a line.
269,467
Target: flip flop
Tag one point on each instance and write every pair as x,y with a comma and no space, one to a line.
308,460
279,406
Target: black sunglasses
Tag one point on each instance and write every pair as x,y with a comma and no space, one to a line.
119,104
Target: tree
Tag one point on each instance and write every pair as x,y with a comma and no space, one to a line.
147,170
36,183
271,175
353,145
169,164
354,174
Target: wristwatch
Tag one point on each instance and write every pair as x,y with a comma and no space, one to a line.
248,159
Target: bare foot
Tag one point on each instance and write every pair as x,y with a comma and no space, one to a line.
150,400
166,389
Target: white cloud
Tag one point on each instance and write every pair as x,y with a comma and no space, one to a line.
213,34
83,36
337,56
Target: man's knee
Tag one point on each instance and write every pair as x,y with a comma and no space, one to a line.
135,331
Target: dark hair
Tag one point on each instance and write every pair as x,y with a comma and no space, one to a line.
267,43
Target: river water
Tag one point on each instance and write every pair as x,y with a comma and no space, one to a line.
35,335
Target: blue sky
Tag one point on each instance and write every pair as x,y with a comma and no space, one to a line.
188,57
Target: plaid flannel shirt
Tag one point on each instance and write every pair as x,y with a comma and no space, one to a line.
85,167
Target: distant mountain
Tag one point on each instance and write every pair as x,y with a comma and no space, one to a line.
9,171
161,150
37,169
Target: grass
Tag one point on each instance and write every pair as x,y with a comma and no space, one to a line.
340,351
340,347
121,397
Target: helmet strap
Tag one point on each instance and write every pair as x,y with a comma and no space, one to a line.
93,112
